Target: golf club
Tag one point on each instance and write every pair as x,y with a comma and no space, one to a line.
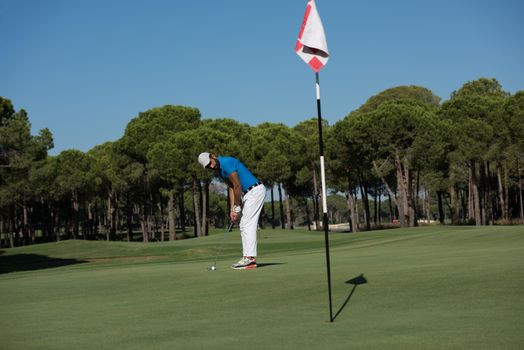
219,250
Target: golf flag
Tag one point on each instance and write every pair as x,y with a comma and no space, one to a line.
312,48
311,44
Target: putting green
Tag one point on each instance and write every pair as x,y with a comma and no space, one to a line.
424,288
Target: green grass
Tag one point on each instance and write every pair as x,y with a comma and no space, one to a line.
427,288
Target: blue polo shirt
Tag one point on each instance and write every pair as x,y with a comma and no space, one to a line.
229,165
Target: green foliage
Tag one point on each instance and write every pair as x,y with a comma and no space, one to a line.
157,124
21,154
479,121
278,151
6,110
417,93
402,142
74,172
308,130
239,136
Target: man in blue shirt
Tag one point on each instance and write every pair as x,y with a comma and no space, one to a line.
246,194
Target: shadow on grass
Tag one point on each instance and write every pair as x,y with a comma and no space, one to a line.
355,282
259,265
29,262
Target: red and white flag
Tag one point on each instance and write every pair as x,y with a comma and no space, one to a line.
311,44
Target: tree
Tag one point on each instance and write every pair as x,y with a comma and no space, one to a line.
378,140
347,153
111,182
309,132
510,148
142,132
75,182
20,154
474,110
413,92
279,151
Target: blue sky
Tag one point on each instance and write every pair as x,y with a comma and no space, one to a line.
84,69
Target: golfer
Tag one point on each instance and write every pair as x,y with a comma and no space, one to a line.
246,195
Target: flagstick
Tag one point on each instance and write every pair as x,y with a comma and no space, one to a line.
324,197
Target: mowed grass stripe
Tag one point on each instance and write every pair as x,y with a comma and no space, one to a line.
428,288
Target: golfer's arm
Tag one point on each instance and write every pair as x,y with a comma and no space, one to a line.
231,198
235,191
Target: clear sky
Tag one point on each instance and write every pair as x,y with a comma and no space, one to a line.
84,69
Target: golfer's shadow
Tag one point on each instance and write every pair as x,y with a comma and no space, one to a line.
259,265
355,282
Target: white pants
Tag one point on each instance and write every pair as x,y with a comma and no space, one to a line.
253,202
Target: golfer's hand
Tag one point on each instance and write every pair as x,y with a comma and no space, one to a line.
234,216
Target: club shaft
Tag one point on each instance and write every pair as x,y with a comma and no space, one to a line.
219,250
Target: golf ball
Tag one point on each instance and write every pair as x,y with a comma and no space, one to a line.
213,268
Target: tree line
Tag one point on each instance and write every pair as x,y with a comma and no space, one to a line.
459,161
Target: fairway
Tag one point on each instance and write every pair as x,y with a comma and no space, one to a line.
432,287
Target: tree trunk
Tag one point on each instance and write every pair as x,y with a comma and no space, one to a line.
500,191
26,235
182,210
196,208
353,217
160,207
56,223
144,224
205,209
427,205
391,212
308,218
282,223
375,206
519,172
150,226
109,215
506,193
441,214
75,214
289,210
454,209
471,202
114,217
475,194
11,230
171,216
391,194
316,209
129,219
402,185
272,209
365,202
380,206
415,200
484,191
88,234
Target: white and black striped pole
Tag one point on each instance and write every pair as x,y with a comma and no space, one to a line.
325,223
312,47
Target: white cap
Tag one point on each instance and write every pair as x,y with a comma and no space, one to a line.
203,158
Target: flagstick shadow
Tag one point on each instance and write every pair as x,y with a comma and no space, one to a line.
355,282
